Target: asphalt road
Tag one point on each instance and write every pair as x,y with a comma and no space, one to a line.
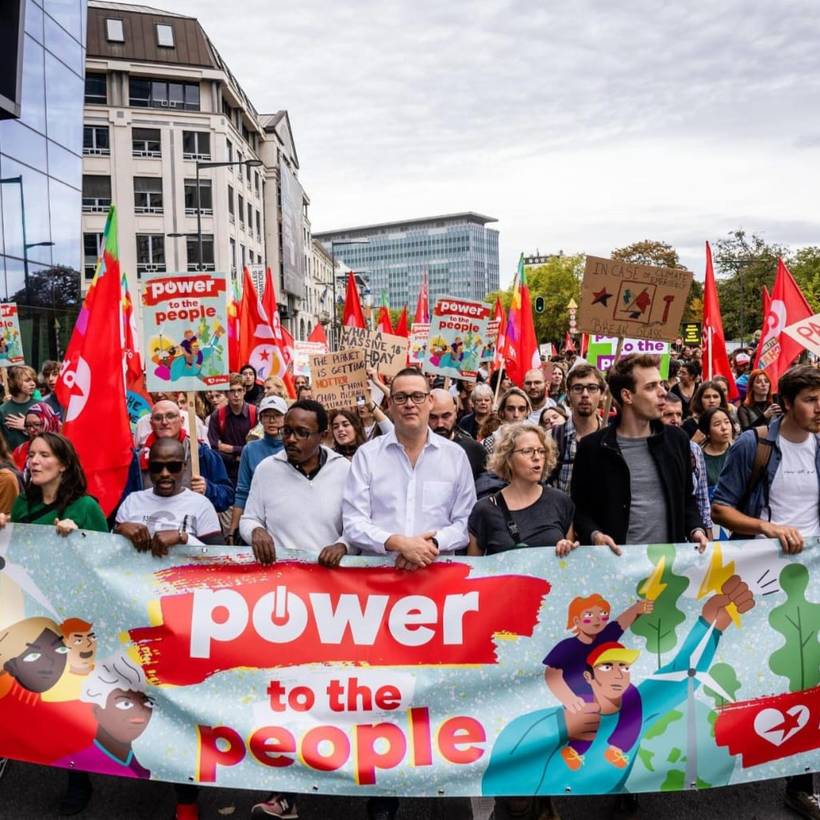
31,793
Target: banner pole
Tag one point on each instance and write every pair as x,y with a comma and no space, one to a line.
192,434
498,384
608,401
709,350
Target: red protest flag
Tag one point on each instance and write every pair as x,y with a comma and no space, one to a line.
257,343
91,386
788,305
134,374
318,335
715,357
352,316
767,300
521,346
569,345
423,302
383,322
401,326
234,300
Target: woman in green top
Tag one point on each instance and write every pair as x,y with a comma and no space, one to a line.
716,425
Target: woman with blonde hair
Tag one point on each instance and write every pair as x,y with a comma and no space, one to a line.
525,512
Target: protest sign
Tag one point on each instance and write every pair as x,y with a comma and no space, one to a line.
493,326
602,349
419,334
807,333
385,352
632,301
545,349
458,334
302,351
339,379
365,680
11,345
692,334
184,316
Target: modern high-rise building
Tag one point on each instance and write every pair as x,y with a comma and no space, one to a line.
200,179
42,57
457,251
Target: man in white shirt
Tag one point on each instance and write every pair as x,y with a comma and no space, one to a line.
409,492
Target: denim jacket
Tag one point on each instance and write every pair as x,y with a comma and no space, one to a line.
737,472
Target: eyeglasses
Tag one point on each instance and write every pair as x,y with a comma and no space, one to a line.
401,398
529,452
173,467
160,417
287,432
592,389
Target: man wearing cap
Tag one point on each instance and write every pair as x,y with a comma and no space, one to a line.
272,411
541,735
742,361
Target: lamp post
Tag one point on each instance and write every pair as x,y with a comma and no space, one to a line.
334,335
251,163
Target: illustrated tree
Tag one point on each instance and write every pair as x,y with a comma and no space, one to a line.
797,620
726,676
659,628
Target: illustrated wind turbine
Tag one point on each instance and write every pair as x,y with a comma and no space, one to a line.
19,575
691,675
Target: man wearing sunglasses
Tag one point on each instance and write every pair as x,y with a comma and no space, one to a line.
167,514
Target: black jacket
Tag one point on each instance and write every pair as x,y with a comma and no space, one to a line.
601,489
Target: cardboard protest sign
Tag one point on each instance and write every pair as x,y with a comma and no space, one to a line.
385,352
632,301
302,351
488,352
457,336
807,333
601,351
184,316
338,379
419,334
11,345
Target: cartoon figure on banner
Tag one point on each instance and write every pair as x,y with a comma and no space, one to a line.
79,638
189,363
10,347
529,755
454,355
437,350
568,676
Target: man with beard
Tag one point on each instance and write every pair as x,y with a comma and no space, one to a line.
585,389
535,387
443,415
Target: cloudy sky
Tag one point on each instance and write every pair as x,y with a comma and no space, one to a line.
580,126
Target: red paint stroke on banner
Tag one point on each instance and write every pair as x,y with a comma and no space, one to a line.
767,729
228,615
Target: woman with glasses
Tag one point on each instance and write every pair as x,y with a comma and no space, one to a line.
40,418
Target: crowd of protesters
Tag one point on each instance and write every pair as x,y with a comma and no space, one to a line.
420,467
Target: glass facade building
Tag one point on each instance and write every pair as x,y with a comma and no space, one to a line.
458,252
41,171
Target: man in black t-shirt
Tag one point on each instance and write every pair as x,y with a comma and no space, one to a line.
443,417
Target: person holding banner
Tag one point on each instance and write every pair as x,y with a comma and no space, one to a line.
22,381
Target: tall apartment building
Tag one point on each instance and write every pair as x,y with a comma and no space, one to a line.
458,252
160,104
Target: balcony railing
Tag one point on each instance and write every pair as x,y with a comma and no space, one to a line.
96,204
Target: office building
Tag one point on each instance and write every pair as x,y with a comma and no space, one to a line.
458,252
41,99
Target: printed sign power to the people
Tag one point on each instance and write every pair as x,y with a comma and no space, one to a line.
11,347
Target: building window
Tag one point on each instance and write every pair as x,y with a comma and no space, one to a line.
148,195
248,174
146,93
250,218
256,182
96,89
207,252
196,145
150,253
95,140
205,197
92,249
165,35
241,210
231,216
96,193
242,254
233,256
230,154
113,30
146,142
259,225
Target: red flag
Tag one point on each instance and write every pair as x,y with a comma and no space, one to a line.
383,322
91,386
258,345
401,326
352,315
500,344
318,334
521,346
423,302
788,305
715,357
134,375
568,343
767,299
234,300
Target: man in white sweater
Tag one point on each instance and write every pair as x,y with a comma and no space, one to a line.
295,499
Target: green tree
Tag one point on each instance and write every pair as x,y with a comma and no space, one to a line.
659,628
805,267
797,621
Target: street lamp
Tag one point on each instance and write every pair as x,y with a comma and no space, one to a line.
333,242
251,163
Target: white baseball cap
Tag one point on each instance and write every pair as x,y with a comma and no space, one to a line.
275,403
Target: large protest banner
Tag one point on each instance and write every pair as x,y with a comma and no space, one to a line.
184,316
632,301
384,351
685,670
458,334
11,344
339,379
602,350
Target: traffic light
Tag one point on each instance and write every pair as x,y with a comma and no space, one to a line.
539,304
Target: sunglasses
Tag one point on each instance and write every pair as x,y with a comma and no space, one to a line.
173,467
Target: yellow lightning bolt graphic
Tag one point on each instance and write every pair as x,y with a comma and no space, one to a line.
652,586
717,574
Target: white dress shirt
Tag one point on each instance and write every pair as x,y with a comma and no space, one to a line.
385,495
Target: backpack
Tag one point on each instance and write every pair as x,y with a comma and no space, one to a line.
222,417
763,455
